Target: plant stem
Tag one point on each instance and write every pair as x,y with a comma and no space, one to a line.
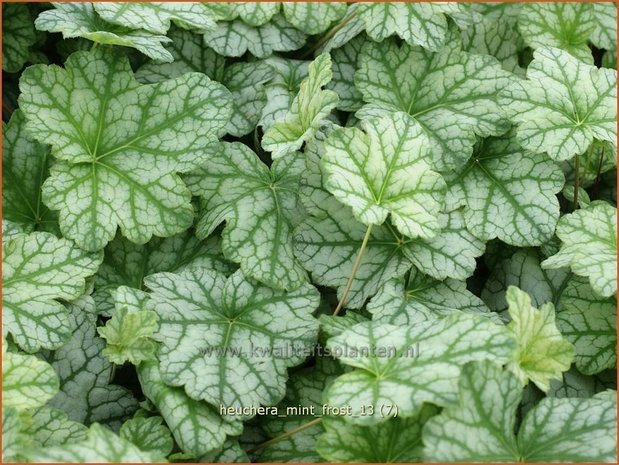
285,435
576,180
354,270
329,35
598,174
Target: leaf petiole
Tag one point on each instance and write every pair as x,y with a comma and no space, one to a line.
285,435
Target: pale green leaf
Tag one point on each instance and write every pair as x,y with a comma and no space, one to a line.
18,36
256,13
86,395
311,105
52,427
37,270
334,325
155,17
230,452
10,229
80,20
14,440
27,382
250,335
195,425
419,298
400,367
403,78
260,207
507,192
564,25
395,441
313,17
347,29
481,427
590,323
25,165
129,336
604,35
542,353
149,434
589,246
344,68
119,154
563,105
383,170
101,445
233,39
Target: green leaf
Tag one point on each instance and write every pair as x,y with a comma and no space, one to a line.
14,440
251,334
195,425
18,36
149,434
37,270
313,17
542,353
382,170
345,61
589,246
129,336
233,39
420,298
507,192
156,17
563,105
260,212
231,452
244,80
86,395
422,24
395,441
118,156
404,78
567,26
101,445
604,35
590,323
52,427
126,263
311,105
80,20
400,367
256,13
481,427
25,165
27,382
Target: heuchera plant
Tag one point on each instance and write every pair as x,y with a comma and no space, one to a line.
302,232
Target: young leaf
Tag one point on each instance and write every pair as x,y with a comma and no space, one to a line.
251,334
567,26
118,155
18,36
155,17
149,434
233,39
507,193
25,165
400,367
311,105
383,170
589,246
313,17
75,19
195,425
403,78
481,427
129,336
590,323
542,353
395,441
260,212
37,270
563,105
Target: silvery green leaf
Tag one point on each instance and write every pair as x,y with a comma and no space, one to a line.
398,368
38,269
195,425
563,105
119,155
507,192
80,20
14,440
230,340
589,246
344,68
18,36
230,452
604,35
313,17
149,434
259,212
256,13
52,427
404,78
233,39
334,325
572,384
